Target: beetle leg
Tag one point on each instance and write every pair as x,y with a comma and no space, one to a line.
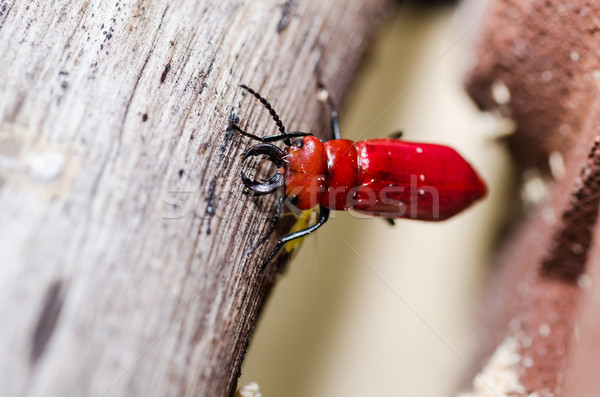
335,121
325,96
335,124
244,133
274,220
271,138
397,134
323,217
390,221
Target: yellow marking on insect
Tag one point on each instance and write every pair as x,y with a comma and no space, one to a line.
302,223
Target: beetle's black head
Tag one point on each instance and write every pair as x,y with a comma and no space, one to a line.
273,154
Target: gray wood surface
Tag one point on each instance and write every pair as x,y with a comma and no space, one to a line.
123,225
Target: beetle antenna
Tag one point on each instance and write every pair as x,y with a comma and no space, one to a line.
270,109
271,227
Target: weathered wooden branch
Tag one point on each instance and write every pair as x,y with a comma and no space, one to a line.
123,223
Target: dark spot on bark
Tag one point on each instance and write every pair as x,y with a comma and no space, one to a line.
286,16
50,311
229,133
203,148
181,173
210,202
145,117
165,72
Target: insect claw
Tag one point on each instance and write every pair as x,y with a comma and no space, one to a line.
233,118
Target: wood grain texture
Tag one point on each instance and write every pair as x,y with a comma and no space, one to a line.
123,223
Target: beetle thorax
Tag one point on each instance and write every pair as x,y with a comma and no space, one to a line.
305,171
324,174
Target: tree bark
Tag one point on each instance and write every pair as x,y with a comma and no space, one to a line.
123,225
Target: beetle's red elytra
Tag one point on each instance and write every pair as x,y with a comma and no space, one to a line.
389,177
381,177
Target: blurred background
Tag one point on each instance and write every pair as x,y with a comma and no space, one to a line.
369,309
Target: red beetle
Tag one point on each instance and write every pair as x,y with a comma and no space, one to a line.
388,178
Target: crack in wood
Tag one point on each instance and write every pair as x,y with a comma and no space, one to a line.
210,203
165,72
139,75
51,308
286,16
